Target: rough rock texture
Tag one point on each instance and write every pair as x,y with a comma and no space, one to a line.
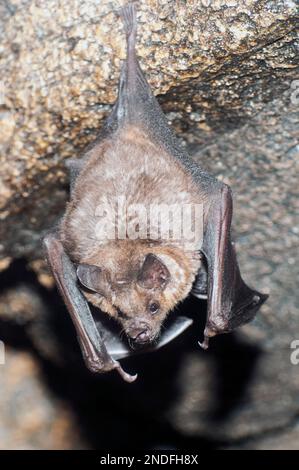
227,76
60,65
31,418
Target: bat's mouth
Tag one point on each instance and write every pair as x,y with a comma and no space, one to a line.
141,338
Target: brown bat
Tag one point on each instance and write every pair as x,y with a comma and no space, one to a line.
138,275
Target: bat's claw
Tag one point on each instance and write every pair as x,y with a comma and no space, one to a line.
208,333
205,343
97,366
127,377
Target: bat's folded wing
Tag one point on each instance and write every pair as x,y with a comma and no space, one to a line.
231,303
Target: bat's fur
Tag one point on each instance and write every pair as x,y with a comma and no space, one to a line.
133,167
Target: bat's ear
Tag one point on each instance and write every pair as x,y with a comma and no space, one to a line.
94,278
153,273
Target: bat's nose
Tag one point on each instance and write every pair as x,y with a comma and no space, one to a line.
140,334
142,337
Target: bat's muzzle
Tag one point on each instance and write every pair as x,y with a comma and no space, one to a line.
119,349
140,334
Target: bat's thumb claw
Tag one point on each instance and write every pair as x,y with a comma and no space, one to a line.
131,378
208,333
127,377
205,343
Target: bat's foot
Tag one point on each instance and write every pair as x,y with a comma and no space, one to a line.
128,14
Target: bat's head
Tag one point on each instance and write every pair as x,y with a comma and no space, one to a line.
140,297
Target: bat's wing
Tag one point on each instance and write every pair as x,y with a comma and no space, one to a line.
231,302
90,339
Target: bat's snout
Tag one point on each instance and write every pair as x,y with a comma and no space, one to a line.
140,334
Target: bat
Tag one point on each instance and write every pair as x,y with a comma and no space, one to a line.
112,248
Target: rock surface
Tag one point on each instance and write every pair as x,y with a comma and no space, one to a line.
31,417
227,76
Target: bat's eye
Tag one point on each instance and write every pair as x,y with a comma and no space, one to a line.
255,300
154,307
